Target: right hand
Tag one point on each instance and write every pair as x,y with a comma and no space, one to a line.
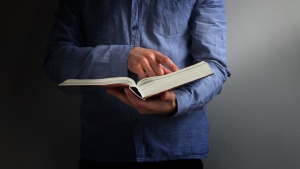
148,62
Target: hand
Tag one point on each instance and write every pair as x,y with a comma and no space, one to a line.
164,105
147,62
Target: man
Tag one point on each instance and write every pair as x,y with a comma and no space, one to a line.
140,38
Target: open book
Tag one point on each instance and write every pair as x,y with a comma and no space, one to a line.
146,87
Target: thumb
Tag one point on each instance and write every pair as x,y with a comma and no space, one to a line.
167,95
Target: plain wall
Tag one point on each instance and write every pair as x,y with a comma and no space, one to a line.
253,122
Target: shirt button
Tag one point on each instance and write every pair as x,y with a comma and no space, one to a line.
135,27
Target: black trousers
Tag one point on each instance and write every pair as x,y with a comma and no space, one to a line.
182,164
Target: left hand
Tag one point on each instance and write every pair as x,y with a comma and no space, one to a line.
164,105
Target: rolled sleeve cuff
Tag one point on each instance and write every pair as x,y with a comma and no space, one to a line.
118,60
183,102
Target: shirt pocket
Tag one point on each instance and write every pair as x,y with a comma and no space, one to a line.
170,17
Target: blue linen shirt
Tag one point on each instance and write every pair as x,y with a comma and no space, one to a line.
92,39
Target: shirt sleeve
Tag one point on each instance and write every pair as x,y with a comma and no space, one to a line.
67,55
208,34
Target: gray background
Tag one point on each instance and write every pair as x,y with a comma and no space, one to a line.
253,123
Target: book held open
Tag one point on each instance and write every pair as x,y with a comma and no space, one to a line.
146,87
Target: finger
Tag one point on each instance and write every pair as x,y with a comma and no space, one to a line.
148,70
155,63
141,72
157,68
167,95
143,75
165,70
167,62
163,96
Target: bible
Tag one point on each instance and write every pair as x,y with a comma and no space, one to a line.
147,87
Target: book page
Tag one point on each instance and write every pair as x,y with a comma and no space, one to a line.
153,85
111,82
